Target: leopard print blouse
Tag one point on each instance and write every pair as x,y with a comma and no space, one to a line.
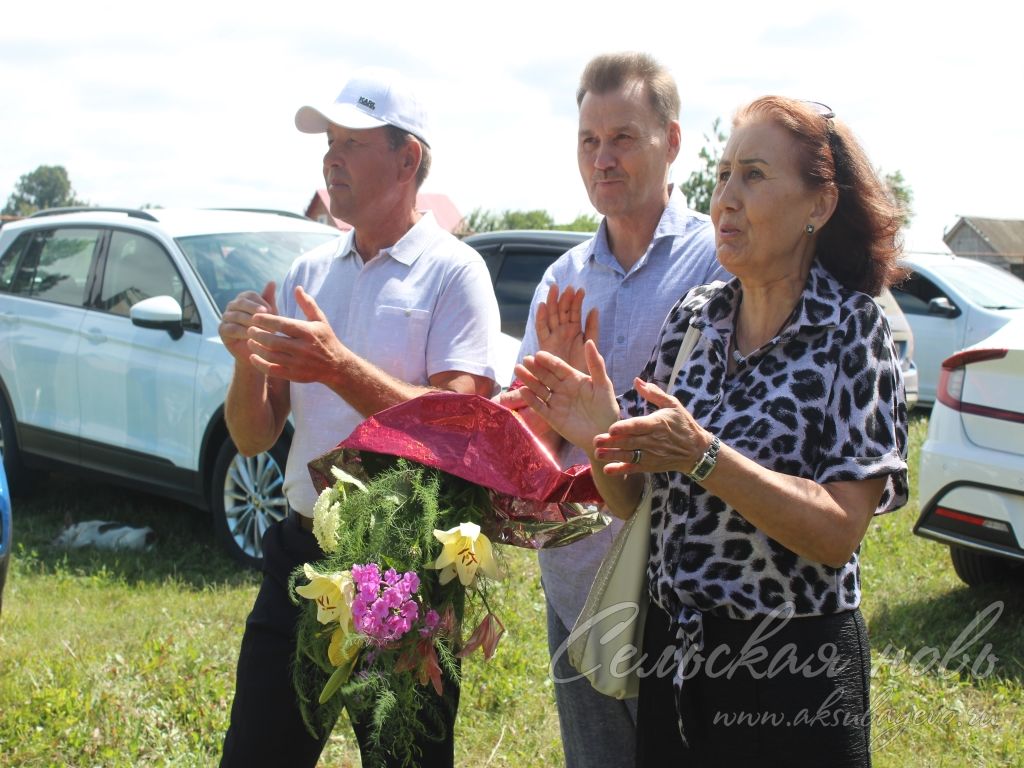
822,400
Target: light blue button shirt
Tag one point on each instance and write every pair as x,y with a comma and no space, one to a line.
632,306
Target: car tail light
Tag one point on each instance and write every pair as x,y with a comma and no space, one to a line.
951,384
965,526
963,517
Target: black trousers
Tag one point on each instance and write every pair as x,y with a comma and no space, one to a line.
266,727
785,707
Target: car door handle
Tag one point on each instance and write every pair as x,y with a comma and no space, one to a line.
8,318
94,336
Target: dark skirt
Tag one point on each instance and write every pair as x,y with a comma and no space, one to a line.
796,698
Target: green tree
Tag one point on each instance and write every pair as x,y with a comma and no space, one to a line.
700,185
481,220
536,219
47,186
900,192
585,222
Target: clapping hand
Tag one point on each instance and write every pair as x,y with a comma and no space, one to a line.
576,405
669,439
558,326
559,333
298,350
238,318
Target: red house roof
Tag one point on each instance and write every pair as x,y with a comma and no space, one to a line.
444,210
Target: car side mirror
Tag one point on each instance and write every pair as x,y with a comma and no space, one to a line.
159,312
942,307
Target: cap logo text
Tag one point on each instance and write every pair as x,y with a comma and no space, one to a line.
365,102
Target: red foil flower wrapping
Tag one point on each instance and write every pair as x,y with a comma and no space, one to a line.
535,503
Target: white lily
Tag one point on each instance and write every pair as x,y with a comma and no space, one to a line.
466,551
333,594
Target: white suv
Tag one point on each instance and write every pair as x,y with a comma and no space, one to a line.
110,361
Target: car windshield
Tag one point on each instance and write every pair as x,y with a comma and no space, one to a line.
238,261
986,286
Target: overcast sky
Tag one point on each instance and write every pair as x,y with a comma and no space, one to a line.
192,103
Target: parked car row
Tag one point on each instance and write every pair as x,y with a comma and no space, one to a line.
971,470
967,319
517,260
950,303
110,363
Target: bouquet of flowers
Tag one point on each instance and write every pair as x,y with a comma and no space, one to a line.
410,504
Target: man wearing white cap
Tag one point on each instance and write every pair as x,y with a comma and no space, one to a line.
393,309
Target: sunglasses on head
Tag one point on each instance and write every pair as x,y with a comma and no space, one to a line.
822,109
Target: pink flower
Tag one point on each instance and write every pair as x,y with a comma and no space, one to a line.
366,574
430,623
384,609
486,635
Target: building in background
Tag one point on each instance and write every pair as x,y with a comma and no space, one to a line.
999,242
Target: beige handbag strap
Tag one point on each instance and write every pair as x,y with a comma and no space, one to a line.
685,348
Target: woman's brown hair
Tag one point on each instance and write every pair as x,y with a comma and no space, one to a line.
861,243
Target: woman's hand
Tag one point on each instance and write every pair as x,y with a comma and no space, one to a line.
668,440
576,405
558,327
513,400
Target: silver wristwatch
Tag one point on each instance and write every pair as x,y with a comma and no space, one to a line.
703,468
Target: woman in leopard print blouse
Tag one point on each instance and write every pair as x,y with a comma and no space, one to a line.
783,435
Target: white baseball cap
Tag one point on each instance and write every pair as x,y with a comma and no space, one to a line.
372,98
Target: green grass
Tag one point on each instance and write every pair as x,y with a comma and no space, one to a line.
128,659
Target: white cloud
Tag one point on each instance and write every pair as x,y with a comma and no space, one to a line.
191,103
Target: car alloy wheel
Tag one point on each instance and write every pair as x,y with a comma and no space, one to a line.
247,498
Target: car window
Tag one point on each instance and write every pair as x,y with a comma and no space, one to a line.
138,268
246,261
987,286
492,258
9,262
55,265
517,280
976,282
914,293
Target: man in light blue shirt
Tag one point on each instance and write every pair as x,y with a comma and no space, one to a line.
650,249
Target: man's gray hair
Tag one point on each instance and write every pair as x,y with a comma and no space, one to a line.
396,140
610,71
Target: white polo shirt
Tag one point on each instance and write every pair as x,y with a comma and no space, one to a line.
421,307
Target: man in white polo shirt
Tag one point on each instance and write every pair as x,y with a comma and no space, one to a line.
394,309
